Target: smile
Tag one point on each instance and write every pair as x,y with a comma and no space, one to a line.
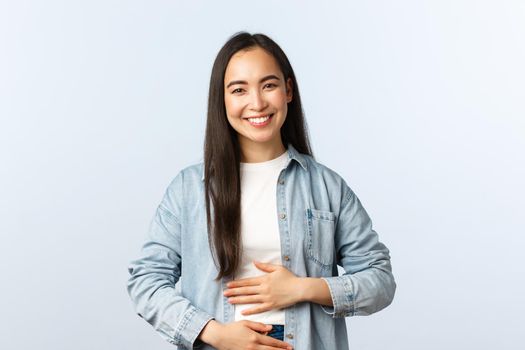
260,121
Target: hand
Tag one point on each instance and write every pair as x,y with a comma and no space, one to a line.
241,335
275,290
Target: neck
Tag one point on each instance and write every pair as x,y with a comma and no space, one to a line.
256,152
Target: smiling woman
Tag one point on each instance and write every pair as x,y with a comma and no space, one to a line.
254,234
256,98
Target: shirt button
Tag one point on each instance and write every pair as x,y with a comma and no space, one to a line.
289,336
281,182
286,257
282,216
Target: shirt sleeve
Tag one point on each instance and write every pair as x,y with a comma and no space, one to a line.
153,276
367,285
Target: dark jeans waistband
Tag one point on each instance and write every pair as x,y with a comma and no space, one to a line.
277,331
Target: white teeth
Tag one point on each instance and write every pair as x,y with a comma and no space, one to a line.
259,120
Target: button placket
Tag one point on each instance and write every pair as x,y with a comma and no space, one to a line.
285,246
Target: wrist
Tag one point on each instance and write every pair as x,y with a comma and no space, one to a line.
304,289
315,290
210,334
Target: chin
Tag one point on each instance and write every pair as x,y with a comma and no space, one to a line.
267,139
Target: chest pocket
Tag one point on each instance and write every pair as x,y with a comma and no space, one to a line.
320,226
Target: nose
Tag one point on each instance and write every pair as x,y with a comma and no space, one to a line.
257,102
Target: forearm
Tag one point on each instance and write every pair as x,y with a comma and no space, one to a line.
151,285
157,302
314,290
361,293
210,333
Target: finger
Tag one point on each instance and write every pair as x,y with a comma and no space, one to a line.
265,267
249,299
258,326
265,347
241,291
244,282
256,310
272,342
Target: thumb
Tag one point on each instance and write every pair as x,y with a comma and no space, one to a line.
265,267
258,326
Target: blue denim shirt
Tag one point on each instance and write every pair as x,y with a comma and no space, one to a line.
322,224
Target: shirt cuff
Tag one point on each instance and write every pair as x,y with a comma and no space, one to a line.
342,293
190,327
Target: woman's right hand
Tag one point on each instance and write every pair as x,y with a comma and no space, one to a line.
241,335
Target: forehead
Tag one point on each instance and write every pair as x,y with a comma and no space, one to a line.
251,64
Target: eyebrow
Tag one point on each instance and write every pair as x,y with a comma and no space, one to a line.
268,77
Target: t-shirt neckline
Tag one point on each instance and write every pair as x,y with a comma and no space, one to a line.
268,164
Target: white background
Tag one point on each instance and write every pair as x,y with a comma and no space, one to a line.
419,105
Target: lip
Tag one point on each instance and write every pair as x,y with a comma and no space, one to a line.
260,125
259,115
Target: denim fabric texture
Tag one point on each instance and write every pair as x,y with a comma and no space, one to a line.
277,332
322,224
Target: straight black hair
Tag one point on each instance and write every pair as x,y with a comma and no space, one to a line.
222,153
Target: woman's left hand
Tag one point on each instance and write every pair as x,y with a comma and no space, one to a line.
277,289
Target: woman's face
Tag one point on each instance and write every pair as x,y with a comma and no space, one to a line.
256,97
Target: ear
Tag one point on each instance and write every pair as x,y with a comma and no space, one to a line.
289,90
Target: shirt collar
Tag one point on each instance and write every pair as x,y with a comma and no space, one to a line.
293,154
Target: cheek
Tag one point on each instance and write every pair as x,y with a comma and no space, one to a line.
233,108
279,99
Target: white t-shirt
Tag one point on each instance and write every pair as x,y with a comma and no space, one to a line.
259,227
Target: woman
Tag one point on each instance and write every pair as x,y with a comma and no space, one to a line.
255,233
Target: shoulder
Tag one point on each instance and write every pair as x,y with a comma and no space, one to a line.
182,187
320,170
313,167
188,176
328,179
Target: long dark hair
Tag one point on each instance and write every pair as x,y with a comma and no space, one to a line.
222,151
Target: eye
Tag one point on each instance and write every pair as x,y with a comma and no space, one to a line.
236,91
270,85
